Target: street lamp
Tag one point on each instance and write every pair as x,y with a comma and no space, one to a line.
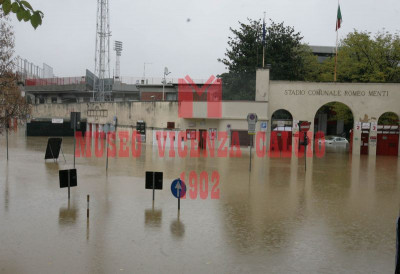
118,50
166,72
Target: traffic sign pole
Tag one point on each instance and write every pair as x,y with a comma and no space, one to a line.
251,121
251,146
7,124
306,125
69,184
74,141
106,152
305,150
154,182
7,138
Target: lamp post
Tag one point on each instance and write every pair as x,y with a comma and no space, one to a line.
118,50
166,72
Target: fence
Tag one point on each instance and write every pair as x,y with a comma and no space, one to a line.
59,81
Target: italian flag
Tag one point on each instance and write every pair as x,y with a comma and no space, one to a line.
339,19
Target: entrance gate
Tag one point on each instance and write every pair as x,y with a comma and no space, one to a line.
388,140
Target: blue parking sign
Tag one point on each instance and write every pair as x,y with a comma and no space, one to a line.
263,126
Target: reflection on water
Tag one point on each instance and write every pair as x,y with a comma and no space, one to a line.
67,215
153,217
335,148
337,217
6,190
177,228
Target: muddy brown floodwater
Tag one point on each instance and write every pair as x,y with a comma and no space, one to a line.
339,217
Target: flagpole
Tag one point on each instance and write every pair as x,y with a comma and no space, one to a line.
263,62
337,36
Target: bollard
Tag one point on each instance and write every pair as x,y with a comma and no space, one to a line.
88,198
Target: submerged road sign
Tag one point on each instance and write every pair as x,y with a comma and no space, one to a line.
154,177
252,121
68,178
154,180
178,188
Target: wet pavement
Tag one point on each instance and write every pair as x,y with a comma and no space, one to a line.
338,217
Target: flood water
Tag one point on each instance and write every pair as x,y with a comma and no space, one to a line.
338,217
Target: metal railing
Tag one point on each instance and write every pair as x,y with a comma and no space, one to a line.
124,80
153,80
59,81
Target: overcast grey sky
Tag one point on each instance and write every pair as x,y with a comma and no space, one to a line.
157,31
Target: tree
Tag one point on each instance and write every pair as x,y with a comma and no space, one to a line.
12,104
388,118
364,58
23,11
288,57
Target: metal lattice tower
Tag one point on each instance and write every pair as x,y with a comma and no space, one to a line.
103,85
118,50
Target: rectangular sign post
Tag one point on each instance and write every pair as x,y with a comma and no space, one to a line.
68,178
252,121
154,180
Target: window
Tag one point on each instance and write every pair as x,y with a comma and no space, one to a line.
53,100
171,96
190,134
170,125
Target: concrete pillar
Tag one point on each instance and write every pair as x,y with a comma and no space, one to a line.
262,85
398,154
372,140
268,136
93,129
356,137
311,140
295,129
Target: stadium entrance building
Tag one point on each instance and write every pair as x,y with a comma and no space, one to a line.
370,105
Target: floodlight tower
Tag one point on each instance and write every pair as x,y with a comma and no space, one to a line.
102,57
118,50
